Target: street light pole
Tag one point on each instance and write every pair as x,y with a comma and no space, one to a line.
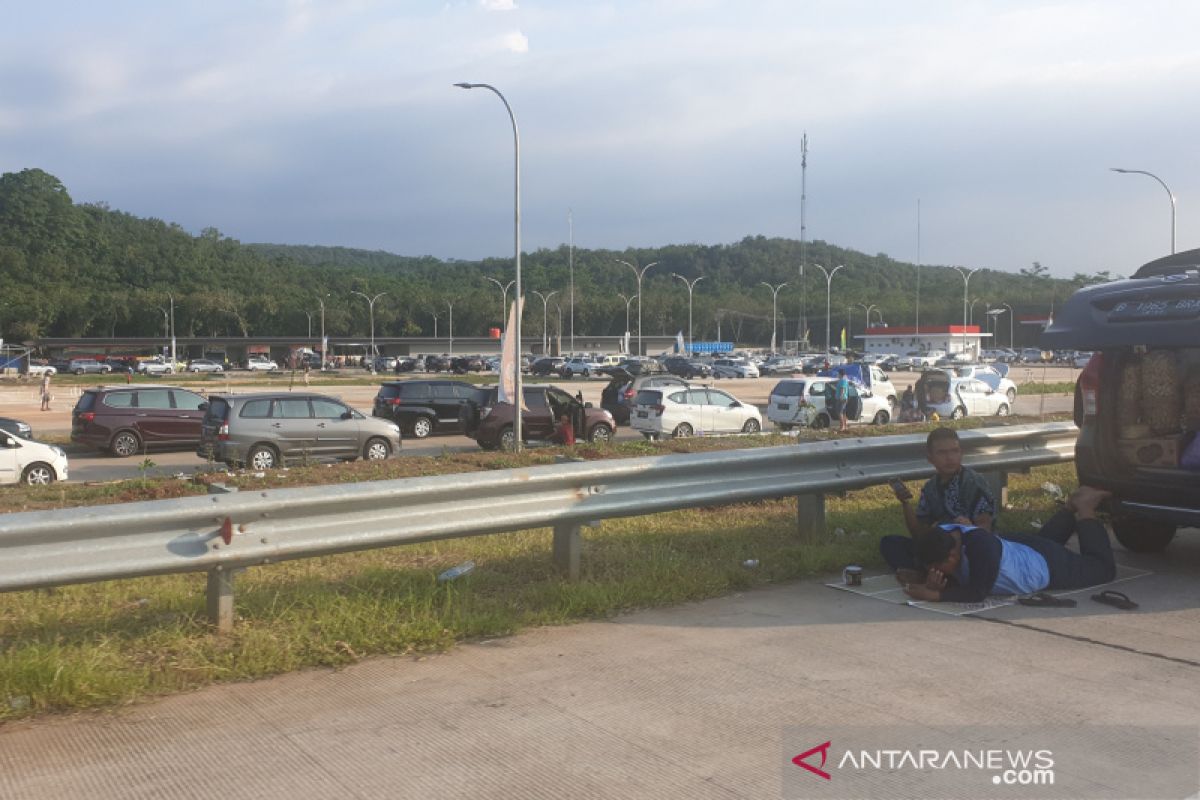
518,400
571,269
971,318
640,274
690,286
1010,324
324,355
868,309
774,309
309,315
173,354
503,287
1164,185
828,290
966,276
451,305
627,300
371,310
545,313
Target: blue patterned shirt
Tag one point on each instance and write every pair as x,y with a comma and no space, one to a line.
965,495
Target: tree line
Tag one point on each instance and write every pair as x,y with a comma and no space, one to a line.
88,270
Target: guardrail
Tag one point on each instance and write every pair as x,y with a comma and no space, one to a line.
223,532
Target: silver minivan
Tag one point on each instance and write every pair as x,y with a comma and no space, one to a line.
266,430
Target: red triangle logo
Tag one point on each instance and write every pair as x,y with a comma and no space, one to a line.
800,762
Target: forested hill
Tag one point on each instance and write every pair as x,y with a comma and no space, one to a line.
88,270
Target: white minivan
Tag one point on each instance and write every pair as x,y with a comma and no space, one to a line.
27,461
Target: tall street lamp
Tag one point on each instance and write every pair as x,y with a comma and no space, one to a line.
309,315
324,357
868,309
640,274
173,359
503,287
1010,324
966,276
774,308
371,309
828,290
518,400
571,270
690,286
451,306
627,300
545,313
436,316
1164,185
971,317
166,323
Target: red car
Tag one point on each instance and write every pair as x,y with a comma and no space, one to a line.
491,423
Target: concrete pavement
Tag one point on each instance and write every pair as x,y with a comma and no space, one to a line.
684,702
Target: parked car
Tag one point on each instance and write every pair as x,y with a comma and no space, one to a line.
461,365
1137,402
1082,358
37,369
817,363
548,365
640,365
261,364
781,365
17,426
204,365
155,366
994,375
269,429
617,396
490,423
87,366
579,365
404,364
687,368
126,420
29,462
733,368
805,402
424,407
954,398
380,364
876,382
683,411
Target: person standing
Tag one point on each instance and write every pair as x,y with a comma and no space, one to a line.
46,396
841,397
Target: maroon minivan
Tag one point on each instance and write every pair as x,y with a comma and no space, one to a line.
126,420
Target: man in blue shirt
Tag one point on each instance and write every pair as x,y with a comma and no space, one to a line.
841,396
965,564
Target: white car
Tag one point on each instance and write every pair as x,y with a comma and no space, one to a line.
994,376
580,365
156,367
801,403
204,365
1081,359
38,370
27,461
954,398
682,411
733,368
261,364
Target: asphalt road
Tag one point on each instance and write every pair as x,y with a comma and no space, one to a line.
705,700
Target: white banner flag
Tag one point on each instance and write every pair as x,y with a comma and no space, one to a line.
509,355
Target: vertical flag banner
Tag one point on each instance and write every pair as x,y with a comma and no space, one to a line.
680,347
509,355
843,338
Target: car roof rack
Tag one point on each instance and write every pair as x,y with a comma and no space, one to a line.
1170,265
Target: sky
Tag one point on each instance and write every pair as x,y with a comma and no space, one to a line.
648,122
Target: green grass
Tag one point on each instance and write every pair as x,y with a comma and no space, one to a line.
105,644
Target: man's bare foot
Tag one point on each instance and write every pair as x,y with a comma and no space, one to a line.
1086,499
905,576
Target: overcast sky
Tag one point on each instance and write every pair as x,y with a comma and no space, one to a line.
656,121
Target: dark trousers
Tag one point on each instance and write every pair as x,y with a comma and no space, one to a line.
1092,565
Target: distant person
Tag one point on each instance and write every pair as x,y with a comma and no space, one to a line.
45,391
306,373
841,398
564,434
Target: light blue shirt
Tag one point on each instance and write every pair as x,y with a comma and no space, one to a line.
1022,570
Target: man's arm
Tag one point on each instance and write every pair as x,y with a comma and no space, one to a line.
983,520
914,525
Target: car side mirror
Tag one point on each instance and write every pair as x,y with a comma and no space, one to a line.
347,415
202,407
9,442
587,405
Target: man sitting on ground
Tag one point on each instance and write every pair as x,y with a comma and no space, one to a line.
981,563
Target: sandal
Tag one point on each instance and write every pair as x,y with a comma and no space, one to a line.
1046,600
1115,599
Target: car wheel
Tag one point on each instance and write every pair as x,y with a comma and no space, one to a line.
125,444
751,426
586,374
262,456
821,421
881,418
1142,535
958,413
377,450
170,370
422,427
507,440
78,372
783,426
601,434
1012,396
1002,411
193,370
219,369
568,374
682,431
38,474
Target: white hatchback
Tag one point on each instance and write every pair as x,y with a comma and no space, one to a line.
969,397
27,461
680,411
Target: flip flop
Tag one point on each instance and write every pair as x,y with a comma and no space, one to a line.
1046,600
1115,599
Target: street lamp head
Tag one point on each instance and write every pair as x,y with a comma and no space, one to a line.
465,85
1117,169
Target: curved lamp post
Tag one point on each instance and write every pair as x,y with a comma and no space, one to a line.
371,310
690,286
1164,185
966,276
545,313
1010,324
640,274
518,401
774,309
627,300
828,290
503,287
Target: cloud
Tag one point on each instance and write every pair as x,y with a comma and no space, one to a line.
515,42
498,5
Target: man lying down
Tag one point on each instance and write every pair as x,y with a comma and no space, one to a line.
964,564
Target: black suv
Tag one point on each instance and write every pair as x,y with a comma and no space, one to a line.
424,407
1137,402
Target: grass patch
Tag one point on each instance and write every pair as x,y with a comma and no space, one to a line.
1036,387
105,644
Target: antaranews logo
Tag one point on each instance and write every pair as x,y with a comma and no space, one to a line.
823,749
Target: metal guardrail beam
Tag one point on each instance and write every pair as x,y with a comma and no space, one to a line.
221,532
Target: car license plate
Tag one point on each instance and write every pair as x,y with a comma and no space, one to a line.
642,415
783,406
1177,308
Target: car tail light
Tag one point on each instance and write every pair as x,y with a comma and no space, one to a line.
87,416
393,401
1089,385
629,393
659,409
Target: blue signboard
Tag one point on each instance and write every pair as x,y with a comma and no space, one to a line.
712,347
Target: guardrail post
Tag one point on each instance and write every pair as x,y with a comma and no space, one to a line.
810,516
220,598
568,544
997,481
